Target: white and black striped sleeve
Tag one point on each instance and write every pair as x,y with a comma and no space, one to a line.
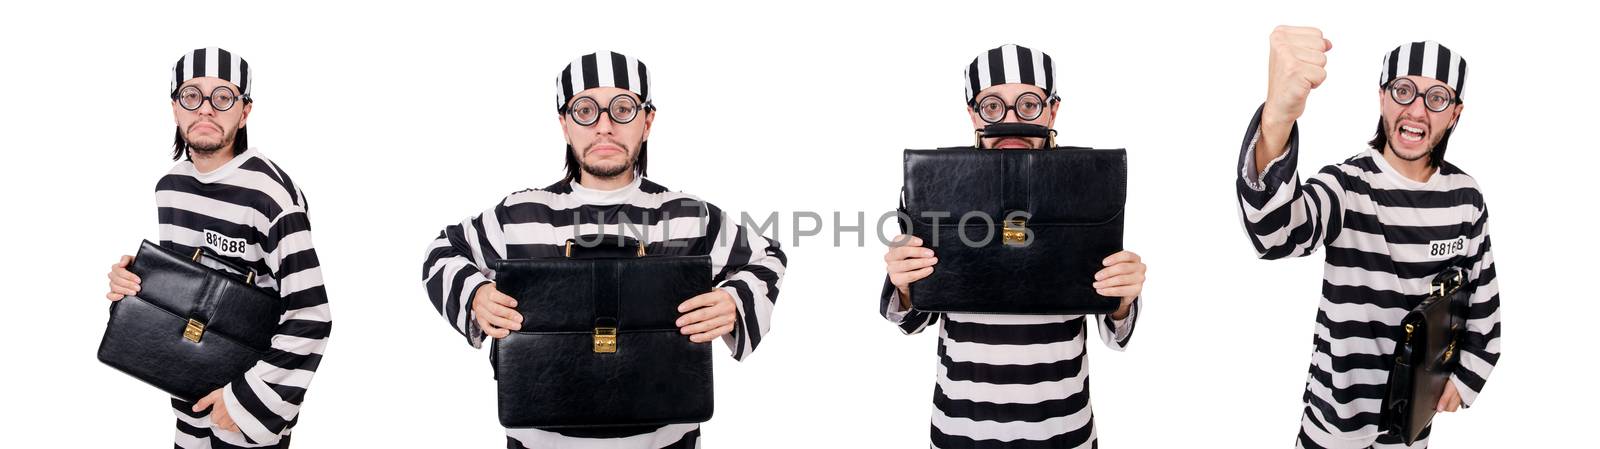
1480,345
890,305
1283,217
454,268
750,267
910,321
266,399
1116,333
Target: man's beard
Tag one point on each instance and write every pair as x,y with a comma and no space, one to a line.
208,148
1390,131
607,171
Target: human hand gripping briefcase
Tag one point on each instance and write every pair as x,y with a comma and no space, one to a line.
599,344
1425,358
1039,223
191,329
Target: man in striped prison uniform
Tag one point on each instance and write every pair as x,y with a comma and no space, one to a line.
1014,381
1392,217
606,111
231,199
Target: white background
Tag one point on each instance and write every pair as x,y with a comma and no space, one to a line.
398,120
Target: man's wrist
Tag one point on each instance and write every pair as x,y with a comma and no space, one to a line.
1122,311
1272,117
472,299
1272,142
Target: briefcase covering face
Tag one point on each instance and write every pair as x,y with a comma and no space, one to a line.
1425,357
599,344
1053,216
191,329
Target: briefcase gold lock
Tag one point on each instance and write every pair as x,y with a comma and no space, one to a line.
605,340
194,330
1015,232
1449,351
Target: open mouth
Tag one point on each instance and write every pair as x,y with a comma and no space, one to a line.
1411,133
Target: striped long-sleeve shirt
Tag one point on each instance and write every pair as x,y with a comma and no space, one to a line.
538,222
1385,237
250,213
1013,381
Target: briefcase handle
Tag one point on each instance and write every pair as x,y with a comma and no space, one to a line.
1445,286
603,246
1015,130
249,273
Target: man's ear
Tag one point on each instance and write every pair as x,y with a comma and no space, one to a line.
244,114
649,118
1457,116
977,122
561,121
1055,107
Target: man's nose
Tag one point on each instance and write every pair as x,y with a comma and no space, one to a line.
206,109
1418,109
605,124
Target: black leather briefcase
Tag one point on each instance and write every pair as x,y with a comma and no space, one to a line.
599,344
1424,359
191,329
1015,231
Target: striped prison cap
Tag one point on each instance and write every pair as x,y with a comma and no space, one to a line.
603,69
1011,63
214,62
1426,58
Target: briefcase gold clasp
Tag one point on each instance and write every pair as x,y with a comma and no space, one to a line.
194,330
1449,351
605,340
1015,232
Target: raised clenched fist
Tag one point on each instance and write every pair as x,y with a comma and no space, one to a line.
1294,67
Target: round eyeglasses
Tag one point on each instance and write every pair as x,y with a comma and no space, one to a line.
622,109
1436,98
1029,106
222,98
